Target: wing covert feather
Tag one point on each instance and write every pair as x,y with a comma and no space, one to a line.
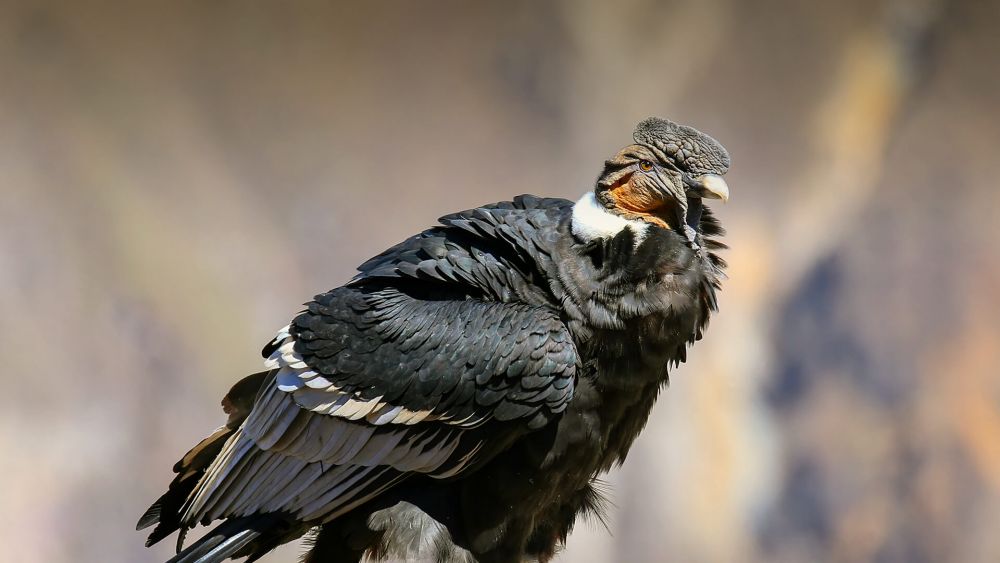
446,360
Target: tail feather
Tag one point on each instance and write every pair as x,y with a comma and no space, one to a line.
151,516
165,513
225,540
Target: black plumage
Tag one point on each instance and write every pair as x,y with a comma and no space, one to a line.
456,400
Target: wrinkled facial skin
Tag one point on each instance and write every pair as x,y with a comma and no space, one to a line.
662,178
638,192
689,149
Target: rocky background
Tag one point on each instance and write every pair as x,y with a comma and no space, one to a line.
176,179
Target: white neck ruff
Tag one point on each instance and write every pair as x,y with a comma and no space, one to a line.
592,221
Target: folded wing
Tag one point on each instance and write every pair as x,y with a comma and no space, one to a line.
373,383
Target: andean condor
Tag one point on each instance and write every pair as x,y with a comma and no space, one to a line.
456,400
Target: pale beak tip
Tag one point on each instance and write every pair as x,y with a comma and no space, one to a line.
715,187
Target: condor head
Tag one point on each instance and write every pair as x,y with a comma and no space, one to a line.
659,181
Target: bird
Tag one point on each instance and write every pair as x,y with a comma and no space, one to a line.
459,399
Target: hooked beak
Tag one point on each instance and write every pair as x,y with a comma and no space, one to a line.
709,186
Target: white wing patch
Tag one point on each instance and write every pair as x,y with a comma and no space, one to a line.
592,221
280,424
316,393
314,465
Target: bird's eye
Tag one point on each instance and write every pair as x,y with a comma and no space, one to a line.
645,165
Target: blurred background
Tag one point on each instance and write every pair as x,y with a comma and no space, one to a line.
176,180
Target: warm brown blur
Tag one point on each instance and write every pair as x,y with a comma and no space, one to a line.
176,181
